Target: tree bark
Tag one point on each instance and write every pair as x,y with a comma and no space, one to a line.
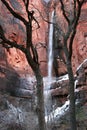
40,95
72,96
40,101
55,66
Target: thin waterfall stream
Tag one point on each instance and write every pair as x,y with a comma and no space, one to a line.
50,48
50,113
47,92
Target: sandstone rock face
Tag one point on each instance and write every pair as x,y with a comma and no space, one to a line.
80,42
82,73
14,67
20,113
15,31
61,87
82,80
14,62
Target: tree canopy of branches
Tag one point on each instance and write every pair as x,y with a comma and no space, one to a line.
71,17
30,53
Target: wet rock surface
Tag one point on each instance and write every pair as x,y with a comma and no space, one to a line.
17,113
19,110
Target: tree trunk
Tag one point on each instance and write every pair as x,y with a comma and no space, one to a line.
39,87
55,66
40,101
72,97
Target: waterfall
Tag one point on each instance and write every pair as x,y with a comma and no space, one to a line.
50,48
47,1
58,113
47,82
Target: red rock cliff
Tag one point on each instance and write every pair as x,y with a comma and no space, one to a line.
15,30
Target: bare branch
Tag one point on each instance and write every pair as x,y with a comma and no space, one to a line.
7,43
33,61
16,15
64,12
27,4
30,14
80,3
39,45
42,15
43,61
71,43
78,13
35,54
1,32
74,9
31,18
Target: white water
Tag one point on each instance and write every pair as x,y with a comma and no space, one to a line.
47,83
50,48
50,114
47,1
61,111
81,65
58,113
61,78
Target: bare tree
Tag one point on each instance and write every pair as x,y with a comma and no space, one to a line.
30,53
71,18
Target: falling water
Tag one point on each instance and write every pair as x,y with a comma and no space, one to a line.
50,49
47,1
47,91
